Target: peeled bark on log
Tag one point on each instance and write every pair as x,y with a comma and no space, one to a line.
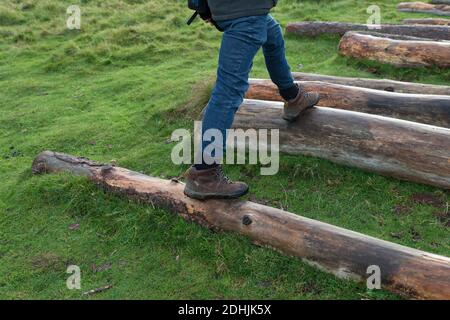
345,253
316,28
439,9
398,148
428,21
400,53
429,109
377,84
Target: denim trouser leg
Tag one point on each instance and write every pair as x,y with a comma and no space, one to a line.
275,56
242,38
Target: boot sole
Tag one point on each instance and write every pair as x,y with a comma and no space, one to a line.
292,119
205,196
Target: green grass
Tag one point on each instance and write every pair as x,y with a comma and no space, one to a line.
114,91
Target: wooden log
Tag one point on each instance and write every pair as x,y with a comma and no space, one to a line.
377,84
439,9
316,28
429,21
392,147
395,51
440,2
345,253
429,109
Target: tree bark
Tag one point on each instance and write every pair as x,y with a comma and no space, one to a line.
429,109
440,2
396,52
398,148
439,9
377,84
345,253
428,21
317,28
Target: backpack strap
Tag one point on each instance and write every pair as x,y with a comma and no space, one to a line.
191,19
216,25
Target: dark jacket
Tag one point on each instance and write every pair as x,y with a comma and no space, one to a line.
233,9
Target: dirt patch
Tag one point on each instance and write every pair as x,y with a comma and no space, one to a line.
443,217
401,209
415,235
47,261
309,288
12,153
396,235
103,267
428,199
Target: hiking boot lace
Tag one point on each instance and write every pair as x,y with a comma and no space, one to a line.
222,176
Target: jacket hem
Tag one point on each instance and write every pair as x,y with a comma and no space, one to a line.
241,14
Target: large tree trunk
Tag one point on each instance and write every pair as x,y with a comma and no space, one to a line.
429,21
402,149
377,84
345,253
395,51
429,109
439,9
317,28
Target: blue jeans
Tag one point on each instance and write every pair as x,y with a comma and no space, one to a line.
242,38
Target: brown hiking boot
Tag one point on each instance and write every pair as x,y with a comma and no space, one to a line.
212,183
304,100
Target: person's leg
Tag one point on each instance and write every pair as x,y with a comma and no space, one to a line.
297,99
275,57
241,40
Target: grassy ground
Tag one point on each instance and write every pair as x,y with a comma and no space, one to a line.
112,91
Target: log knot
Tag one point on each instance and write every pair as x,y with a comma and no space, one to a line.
246,220
39,165
104,170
